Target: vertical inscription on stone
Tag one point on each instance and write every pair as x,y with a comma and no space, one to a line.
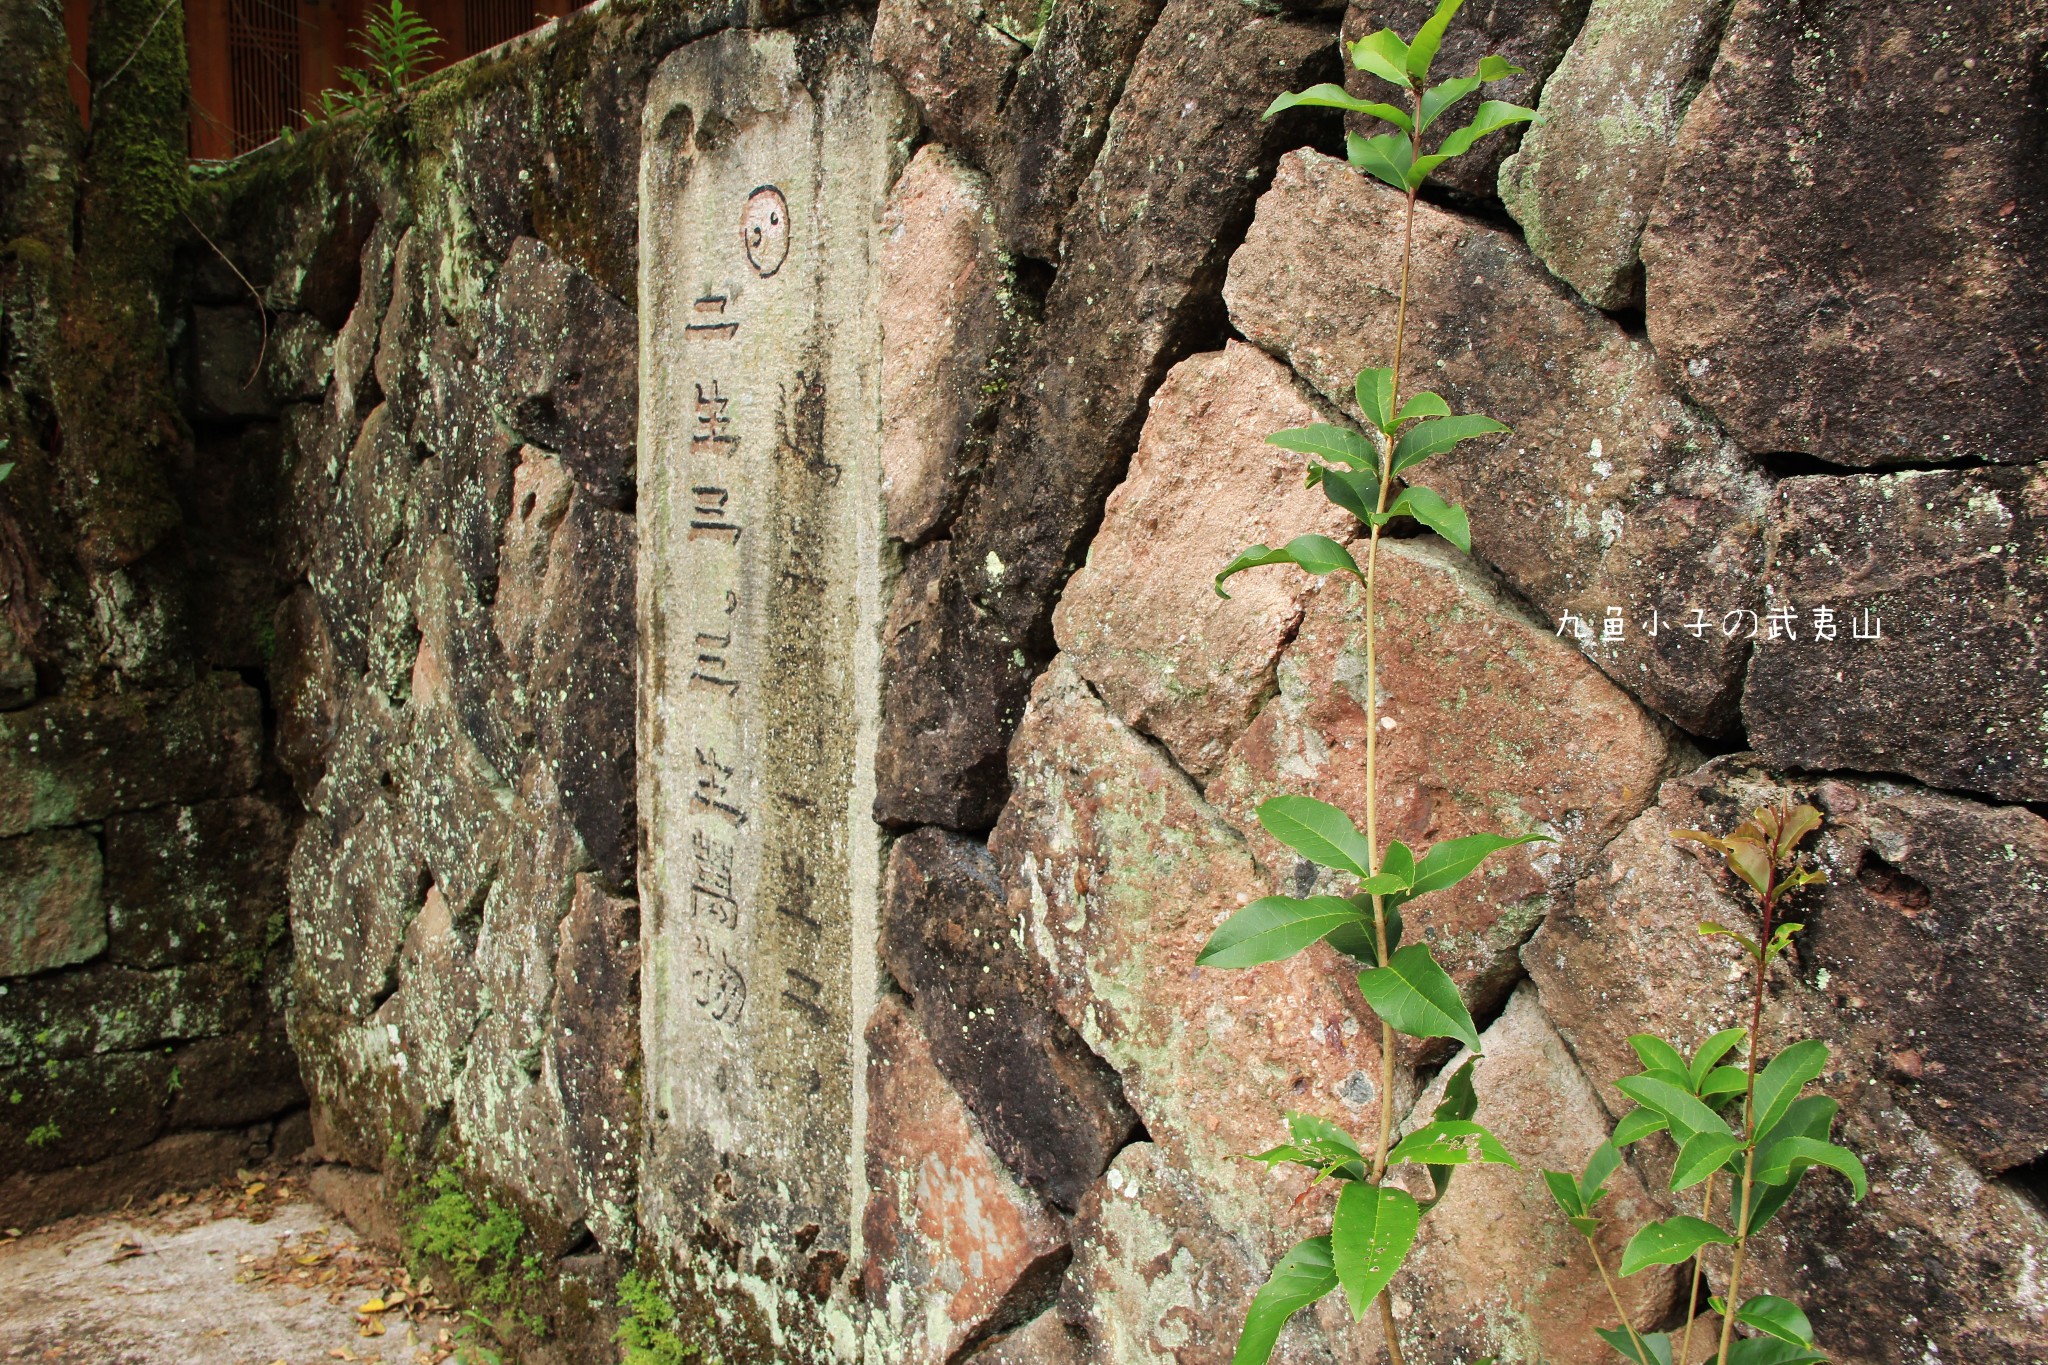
759,580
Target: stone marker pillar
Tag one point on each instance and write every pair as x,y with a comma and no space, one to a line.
766,158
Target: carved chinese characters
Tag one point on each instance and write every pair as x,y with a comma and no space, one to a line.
759,580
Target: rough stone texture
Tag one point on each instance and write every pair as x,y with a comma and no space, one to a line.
1488,723
64,760
1949,570
1140,620
956,1248
563,351
1121,871
1496,1271
1845,260
1612,491
1045,1340
955,62
194,883
949,320
54,913
1048,1106
1139,268
1584,182
226,378
1157,1281
1533,34
1898,972
596,1045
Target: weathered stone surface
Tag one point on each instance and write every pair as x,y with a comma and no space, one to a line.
1584,182
563,351
1533,34
67,760
115,1009
759,510
303,687
1120,871
1612,494
1139,269
1156,1280
1950,571
1929,1025
1488,723
1140,619
956,1248
224,369
1496,1270
949,320
74,1112
191,883
236,1081
17,669
174,1161
1049,1107
595,1037
301,359
564,617
1045,1340
954,62
55,915
1845,260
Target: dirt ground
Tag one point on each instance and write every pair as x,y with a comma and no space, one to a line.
249,1273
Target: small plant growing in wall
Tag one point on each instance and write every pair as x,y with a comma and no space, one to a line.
1756,1150
1375,1223
396,43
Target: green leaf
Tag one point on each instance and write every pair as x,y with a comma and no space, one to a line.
1274,927
1712,1051
1415,996
1497,69
1441,97
1656,1054
1399,863
1428,507
1491,117
1680,1108
1374,388
1811,1117
1778,1317
1419,169
1781,939
1450,861
1565,1191
1358,940
1768,1351
1327,96
1606,1159
1374,1228
1329,442
1723,1080
1318,554
1460,1100
1791,1157
1303,1275
1314,1130
1670,1242
1451,1142
1701,1156
1383,54
1752,864
1636,1125
1658,1344
1429,38
1357,493
1425,439
1424,404
1318,831
1386,157
1778,1084
1710,928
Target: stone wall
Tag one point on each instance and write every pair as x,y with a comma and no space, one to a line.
1757,300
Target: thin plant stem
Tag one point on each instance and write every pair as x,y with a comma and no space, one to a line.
1749,1134
1692,1296
1614,1297
1372,729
